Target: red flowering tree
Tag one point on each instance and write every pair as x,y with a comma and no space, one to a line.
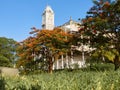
46,45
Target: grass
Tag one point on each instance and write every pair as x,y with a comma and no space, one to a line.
64,80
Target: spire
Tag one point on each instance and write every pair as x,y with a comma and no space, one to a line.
70,20
48,8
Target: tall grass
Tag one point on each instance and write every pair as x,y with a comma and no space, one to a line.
75,80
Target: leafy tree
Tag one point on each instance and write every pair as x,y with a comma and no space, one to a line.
7,51
102,25
40,49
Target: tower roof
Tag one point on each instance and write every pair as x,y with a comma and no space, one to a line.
48,9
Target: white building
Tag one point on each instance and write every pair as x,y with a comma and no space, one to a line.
48,21
48,18
72,27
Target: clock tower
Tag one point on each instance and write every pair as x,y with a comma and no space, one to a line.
48,18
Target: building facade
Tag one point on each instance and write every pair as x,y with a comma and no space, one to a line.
71,26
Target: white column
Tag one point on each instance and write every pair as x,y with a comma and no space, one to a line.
57,63
67,61
71,58
53,63
62,64
83,56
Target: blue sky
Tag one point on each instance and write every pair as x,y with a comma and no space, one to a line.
18,16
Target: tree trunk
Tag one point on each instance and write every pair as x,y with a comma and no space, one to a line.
50,68
116,62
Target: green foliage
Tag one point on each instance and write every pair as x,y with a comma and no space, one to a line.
2,83
7,51
4,61
99,66
79,80
110,56
106,53
102,26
